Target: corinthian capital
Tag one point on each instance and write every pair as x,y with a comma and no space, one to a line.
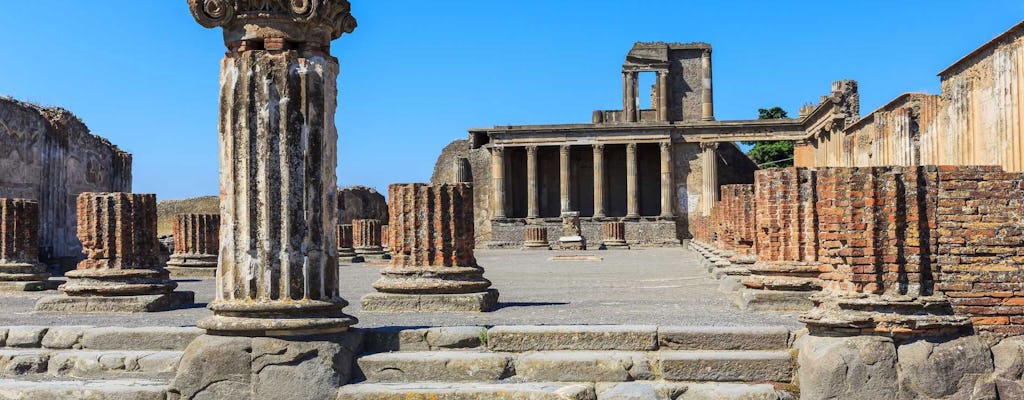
312,23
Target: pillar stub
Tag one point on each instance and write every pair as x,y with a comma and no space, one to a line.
196,245
20,269
572,234
614,236
536,238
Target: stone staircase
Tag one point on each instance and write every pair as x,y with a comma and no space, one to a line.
80,362
574,362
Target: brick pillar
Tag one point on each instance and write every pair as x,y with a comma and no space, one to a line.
121,270
614,235
196,245
384,237
536,238
433,267
345,246
20,269
366,237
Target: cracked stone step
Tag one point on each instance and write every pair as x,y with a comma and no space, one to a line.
727,366
689,391
723,338
84,389
584,366
573,337
467,391
89,363
442,366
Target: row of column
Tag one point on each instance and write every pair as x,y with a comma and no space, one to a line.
631,97
533,200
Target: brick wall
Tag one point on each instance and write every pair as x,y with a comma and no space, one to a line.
785,219
734,216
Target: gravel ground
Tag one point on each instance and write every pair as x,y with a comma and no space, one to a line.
651,286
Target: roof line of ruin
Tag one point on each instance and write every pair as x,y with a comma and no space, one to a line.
885,107
50,112
985,47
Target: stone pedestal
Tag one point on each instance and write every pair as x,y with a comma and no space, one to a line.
536,238
121,271
20,269
366,239
346,253
614,235
196,245
572,235
433,267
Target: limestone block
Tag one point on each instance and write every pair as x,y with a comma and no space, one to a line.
26,336
160,338
727,366
853,368
64,337
585,366
445,366
1009,368
952,369
640,391
468,391
595,337
732,391
723,338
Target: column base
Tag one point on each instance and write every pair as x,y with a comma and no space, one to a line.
614,245
23,277
572,243
23,286
118,282
838,314
192,272
116,304
536,246
277,318
192,265
397,303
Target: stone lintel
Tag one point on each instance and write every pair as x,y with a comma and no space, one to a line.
467,302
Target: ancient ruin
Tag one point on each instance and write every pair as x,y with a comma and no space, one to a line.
20,269
366,239
346,251
121,270
50,156
614,236
360,202
196,245
536,238
433,267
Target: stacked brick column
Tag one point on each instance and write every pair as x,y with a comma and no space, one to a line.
614,235
536,238
345,246
20,269
366,238
433,267
196,245
121,270
735,219
384,235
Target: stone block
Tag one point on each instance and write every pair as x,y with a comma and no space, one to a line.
583,366
723,338
640,391
733,391
63,337
1008,358
467,302
946,369
153,338
26,336
727,366
116,304
79,389
773,300
860,367
23,362
468,391
447,366
573,337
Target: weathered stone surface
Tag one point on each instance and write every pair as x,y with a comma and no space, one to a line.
536,238
468,391
88,390
572,234
106,364
640,391
953,369
727,366
158,338
456,337
543,338
63,337
447,366
215,367
116,304
723,338
583,366
20,268
732,391
360,202
862,367
345,246
441,338
614,236
15,363
1008,357
462,302
196,245
773,300
26,336
366,237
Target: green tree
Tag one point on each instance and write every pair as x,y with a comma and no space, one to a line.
774,153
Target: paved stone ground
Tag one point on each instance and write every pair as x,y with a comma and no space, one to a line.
650,286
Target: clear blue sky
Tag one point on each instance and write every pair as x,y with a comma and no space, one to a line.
417,74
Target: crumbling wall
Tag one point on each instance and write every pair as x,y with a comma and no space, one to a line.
734,219
49,155
785,219
360,202
480,169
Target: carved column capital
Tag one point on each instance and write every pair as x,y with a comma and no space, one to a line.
709,146
498,151
531,150
312,23
599,147
564,149
665,146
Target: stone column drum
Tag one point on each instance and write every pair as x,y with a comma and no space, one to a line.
614,235
121,271
346,253
433,267
366,239
536,238
20,269
196,245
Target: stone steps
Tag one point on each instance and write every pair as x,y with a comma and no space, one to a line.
82,389
556,391
134,364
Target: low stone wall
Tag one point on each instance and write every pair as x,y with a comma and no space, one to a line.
511,234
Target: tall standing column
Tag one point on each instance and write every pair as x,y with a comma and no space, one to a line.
632,194
663,103
629,97
532,197
563,178
196,245
599,210
278,272
667,183
709,187
707,99
20,269
498,182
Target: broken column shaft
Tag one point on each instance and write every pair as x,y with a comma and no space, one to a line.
433,267
20,269
196,245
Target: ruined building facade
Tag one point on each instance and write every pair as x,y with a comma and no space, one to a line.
978,119
49,155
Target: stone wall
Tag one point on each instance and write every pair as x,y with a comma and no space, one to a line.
49,155
785,219
360,202
733,219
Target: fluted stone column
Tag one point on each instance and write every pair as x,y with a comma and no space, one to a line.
278,272
614,236
498,182
366,239
599,180
433,267
709,174
196,245
632,195
536,238
563,178
629,96
663,103
121,271
346,250
20,269
707,99
384,237
532,196
463,174
667,181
